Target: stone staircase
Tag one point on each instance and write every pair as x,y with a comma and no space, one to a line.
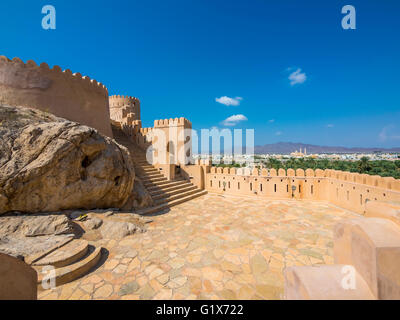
165,193
72,260
367,257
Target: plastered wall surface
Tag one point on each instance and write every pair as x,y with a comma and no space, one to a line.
59,92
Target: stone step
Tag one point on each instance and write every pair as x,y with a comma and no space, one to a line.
180,194
166,185
37,256
71,272
372,246
148,172
152,184
154,181
174,188
151,176
152,169
145,174
65,255
145,167
162,184
169,204
327,282
147,178
141,166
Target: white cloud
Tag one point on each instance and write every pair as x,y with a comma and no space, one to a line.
387,133
297,77
330,125
271,121
234,120
229,101
278,133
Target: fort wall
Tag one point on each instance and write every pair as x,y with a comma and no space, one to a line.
144,137
59,92
168,138
348,190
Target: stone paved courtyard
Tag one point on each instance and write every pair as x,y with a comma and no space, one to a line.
213,247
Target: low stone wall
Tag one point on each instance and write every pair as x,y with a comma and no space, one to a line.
352,190
61,93
348,190
367,260
195,174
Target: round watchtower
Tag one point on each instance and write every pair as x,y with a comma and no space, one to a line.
122,107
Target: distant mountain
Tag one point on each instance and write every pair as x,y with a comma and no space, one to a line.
288,147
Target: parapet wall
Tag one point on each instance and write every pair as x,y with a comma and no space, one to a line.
144,138
146,131
347,190
163,123
61,93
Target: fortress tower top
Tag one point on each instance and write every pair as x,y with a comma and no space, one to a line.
122,107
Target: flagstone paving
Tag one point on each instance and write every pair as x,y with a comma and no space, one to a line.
212,247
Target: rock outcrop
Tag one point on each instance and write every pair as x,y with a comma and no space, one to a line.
140,197
118,229
35,225
49,164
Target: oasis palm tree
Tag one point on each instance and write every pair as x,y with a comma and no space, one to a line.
363,165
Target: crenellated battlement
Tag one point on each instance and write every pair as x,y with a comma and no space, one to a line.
31,68
388,183
125,110
61,92
146,131
118,101
172,122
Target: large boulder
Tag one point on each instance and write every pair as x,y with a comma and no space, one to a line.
50,164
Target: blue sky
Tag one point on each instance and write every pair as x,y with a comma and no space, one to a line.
178,57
